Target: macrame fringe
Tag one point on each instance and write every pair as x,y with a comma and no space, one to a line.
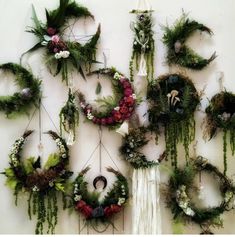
146,195
142,67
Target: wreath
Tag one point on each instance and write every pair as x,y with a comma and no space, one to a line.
20,102
41,184
60,52
173,100
179,199
118,108
88,203
221,115
177,51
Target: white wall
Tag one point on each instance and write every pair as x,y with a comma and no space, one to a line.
116,41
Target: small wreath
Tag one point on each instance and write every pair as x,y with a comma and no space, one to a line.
61,52
41,184
179,197
173,100
118,108
20,102
221,115
177,51
88,203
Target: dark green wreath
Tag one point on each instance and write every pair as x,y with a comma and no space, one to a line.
42,184
179,195
221,115
61,53
20,102
177,51
173,100
88,204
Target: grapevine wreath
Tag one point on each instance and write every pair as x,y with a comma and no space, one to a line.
179,197
41,184
173,100
30,94
177,50
59,52
118,108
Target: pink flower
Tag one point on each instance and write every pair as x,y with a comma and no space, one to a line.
55,39
128,92
51,31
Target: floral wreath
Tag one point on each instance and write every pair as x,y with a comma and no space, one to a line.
173,100
221,115
118,108
60,52
178,52
179,197
88,203
30,93
41,184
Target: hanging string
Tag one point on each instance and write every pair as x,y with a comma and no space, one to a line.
40,146
100,151
220,76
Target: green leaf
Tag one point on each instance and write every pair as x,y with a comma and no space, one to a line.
52,161
11,183
59,187
9,172
98,88
35,18
177,227
28,165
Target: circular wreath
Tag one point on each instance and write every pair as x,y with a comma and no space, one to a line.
39,183
88,203
173,100
59,51
179,200
118,108
131,145
20,102
177,51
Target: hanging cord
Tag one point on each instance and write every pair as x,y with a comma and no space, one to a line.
40,146
100,149
220,79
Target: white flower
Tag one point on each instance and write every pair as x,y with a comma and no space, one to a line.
44,43
46,37
58,55
65,54
57,140
188,211
51,183
15,163
121,201
64,156
117,108
89,116
77,198
134,96
62,150
82,105
123,129
117,76
59,143
21,139
35,188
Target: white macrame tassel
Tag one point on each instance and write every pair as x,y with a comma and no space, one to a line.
146,213
142,67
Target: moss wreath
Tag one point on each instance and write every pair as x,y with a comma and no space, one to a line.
41,184
60,52
173,100
118,108
221,115
20,102
178,196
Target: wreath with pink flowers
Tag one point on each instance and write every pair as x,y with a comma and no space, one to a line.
117,108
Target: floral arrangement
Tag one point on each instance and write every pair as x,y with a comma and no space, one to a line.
177,50
220,115
41,184
173,100
118,108
59,52
88,203
20,102
178,195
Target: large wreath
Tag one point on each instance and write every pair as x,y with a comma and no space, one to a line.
59,51
221,115
88,203
118,108
179,196
41,184
173,100
20,102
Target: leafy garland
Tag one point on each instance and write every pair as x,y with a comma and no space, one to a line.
178,195
41,184
88,203
178,52
30,93
221,115
143,45
61,53
118,108
173,100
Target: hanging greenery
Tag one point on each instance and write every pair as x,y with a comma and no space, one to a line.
177,51
220,115
20,102
42,184
88,203
173,100
179,195
114,110
59,52
142,58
